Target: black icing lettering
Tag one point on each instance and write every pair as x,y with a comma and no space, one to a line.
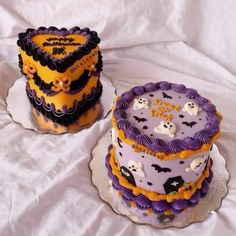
53,44
60,39
181,116
149,183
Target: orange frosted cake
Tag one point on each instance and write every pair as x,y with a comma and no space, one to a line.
62,68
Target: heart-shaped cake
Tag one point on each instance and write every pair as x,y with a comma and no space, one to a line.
62,68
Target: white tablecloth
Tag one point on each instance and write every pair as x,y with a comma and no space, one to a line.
45,180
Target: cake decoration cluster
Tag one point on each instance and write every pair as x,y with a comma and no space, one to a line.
61,84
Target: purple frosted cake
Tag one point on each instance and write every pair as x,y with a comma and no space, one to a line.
159,160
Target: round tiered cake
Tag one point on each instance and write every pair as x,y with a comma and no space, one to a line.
162,135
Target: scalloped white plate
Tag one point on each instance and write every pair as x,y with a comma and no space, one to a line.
206,205
20,108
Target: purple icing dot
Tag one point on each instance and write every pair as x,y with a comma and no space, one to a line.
179,88
121,104
204,189
209,108
165,85
176,145
138,90
128,96
120,114
195,197
191,93
159,145
160,206
202,136
144,140
179,204
150,87
201,101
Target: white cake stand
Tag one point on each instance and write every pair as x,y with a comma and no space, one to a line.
20,108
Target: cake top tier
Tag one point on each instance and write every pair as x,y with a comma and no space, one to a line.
166,117
58,48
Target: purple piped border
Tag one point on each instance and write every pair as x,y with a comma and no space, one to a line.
158,145
142,202
59,64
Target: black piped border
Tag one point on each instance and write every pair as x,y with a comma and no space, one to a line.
75,86
25,43
67,118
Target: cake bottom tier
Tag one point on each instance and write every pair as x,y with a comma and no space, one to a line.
68,116
166,204
84,120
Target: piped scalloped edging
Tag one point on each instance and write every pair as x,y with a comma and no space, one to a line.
65,116
176,206
158,145
76,85
25,43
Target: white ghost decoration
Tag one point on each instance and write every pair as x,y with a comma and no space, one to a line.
136,168
166,127
192,108
140,103
196,164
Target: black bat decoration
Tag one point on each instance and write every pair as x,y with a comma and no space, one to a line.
160,169
145,127
166,95
119,142
189,124
140,119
